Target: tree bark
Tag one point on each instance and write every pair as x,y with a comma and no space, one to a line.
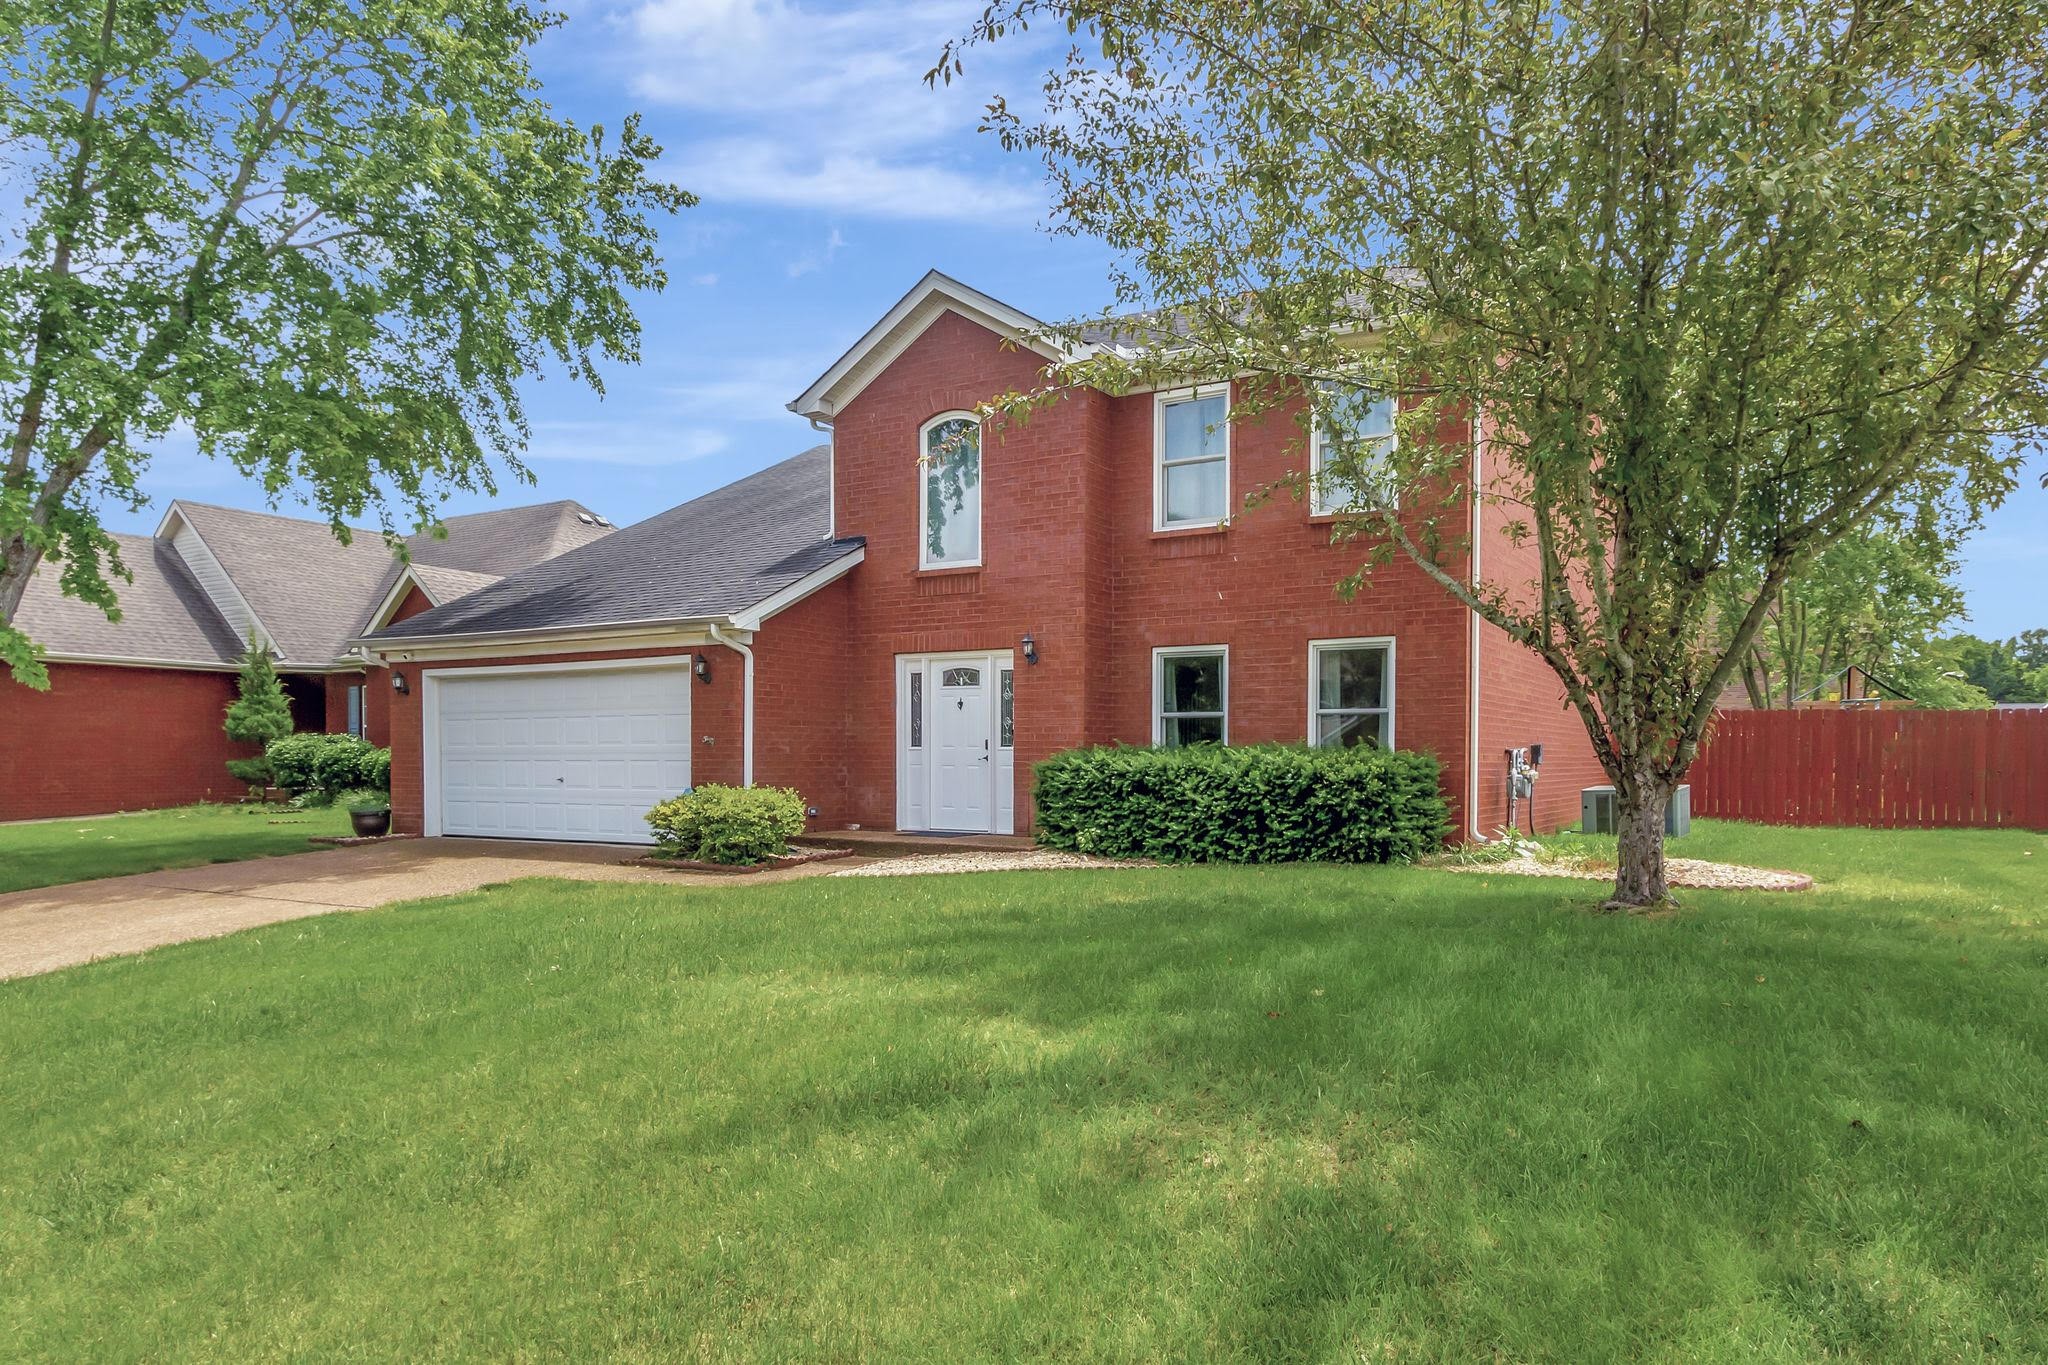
1639,882
17,566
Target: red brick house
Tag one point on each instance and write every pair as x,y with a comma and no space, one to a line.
132,718
900,640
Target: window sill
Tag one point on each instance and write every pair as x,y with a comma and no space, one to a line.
1214,528
948,570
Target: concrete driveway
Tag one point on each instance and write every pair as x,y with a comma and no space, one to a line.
61,926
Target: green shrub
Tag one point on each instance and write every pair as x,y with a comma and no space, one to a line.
364,800
327,764
1265,803
259,714
736,825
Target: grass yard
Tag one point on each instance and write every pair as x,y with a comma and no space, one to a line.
1313,1114
50,852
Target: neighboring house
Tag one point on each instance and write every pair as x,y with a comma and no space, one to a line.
900,623
133,715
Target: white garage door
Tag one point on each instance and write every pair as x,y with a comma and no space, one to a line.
560,754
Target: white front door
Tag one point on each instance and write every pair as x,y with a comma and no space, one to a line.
954,757
552,751
963,749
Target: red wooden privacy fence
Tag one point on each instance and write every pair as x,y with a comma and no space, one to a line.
1893,769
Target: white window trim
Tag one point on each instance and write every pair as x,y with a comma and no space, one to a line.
1160,402
1315,463
1159,657
924,545
1316,647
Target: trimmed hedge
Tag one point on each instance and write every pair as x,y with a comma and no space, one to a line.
1262,803
734,825
328,764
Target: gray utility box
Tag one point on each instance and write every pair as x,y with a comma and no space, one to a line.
1598,814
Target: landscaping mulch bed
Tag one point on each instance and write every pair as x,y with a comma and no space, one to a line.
1687,872
809,855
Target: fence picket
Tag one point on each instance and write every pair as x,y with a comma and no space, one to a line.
1885,769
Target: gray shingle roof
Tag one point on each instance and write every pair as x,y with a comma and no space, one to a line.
714,556
308,589
164,614
509,538
445,585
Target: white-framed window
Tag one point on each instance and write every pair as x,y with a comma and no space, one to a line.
1191,695
1352,427
949,498
1351,692
355,709
1191,457
1007,730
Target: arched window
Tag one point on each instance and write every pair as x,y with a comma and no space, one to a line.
949,451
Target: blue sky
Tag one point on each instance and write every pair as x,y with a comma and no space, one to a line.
831,179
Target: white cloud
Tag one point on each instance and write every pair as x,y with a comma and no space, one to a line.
640,444
747,391
813,261
809,107
707,280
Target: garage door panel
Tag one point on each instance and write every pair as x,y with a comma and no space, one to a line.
562,755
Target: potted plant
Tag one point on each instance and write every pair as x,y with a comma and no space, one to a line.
369,812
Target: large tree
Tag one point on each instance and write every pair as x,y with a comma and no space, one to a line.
326,238
1720,281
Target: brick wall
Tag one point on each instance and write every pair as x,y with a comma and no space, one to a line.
1069,555
106,739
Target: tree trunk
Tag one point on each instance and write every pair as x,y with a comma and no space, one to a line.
1639,870
17,566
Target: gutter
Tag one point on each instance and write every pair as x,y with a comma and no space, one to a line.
1472,648
746,654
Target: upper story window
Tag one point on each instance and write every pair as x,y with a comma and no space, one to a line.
1349,449
1190,695
949,449
1191,458
1351,693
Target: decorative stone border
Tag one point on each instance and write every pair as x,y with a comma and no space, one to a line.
1691,873
351,840
815,855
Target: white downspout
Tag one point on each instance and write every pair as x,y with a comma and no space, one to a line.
1472,738
746,654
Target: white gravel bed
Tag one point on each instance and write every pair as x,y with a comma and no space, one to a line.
1692,872
924,864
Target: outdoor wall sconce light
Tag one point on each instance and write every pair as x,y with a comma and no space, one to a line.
702,668
1030,649
398,683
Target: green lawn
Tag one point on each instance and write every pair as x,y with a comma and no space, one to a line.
49,852
1327,1114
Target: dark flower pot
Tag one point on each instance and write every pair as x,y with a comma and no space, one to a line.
370,823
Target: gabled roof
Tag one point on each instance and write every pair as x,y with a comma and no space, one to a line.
165,616
306,588
714,558
905,322
508,538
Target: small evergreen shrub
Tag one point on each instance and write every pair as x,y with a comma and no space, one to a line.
326,764
1264,803
733,825
259,714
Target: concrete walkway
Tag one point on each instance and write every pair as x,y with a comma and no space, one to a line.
61,926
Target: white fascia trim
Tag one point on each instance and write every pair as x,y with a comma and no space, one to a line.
820,403
406,579
134,661
750,620
263,635
1160,654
